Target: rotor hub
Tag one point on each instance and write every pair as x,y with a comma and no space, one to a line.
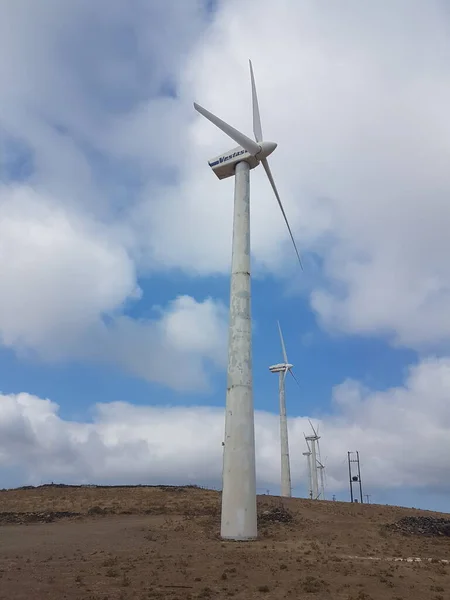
266,149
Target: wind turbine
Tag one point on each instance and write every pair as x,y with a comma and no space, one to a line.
320,465
283,369
321,469
238,520
308,459
313,439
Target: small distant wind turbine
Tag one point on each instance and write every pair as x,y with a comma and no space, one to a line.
321,470
320,465
284,368
239,478
314,439
308,459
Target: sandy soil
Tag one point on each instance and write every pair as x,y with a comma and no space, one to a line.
155,543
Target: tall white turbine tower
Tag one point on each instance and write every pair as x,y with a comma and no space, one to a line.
282,369
317,467
313,439
239,478
308,460
321,468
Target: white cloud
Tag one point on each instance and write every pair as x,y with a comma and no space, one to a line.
59,271
177,350
67,267
65,284
80,93
402,435
356,98
402,432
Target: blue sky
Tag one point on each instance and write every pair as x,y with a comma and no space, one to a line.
115,239
319,361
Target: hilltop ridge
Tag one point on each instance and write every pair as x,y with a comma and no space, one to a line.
141,542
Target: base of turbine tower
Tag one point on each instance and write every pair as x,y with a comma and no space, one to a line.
238,539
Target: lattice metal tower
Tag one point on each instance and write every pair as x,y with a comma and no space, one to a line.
354,473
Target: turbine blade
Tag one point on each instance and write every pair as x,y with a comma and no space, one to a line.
265,164
312,427
318,450
296,380
248,144
283,347
257,130
307,445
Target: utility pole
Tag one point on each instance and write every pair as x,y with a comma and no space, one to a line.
367,496
354,477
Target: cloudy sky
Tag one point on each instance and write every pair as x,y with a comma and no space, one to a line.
115,239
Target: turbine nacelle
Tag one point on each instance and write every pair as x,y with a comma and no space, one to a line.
280,367
224,165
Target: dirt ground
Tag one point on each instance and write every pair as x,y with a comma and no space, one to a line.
157,543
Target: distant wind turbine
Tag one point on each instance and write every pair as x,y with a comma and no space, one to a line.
284,368
320,467
313,440
308,459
